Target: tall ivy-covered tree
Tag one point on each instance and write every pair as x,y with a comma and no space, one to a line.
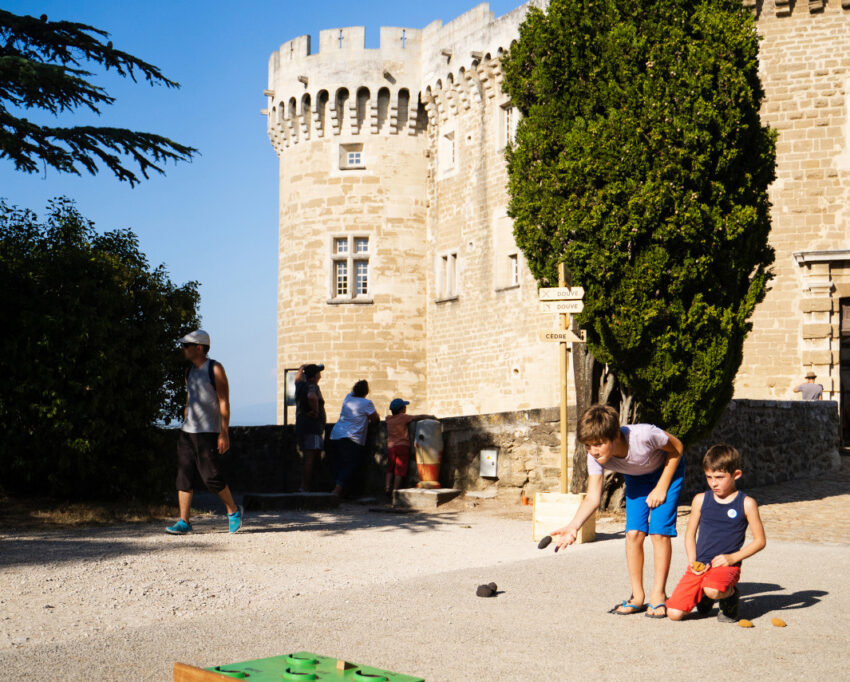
88,358
642,164
41,70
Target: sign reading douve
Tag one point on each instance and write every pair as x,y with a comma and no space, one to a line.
565,307
560,293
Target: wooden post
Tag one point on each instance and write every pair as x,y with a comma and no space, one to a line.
564,356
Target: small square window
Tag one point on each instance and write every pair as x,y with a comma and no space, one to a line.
341,245
361,245
351,156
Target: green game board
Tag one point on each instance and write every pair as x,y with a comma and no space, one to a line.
304,665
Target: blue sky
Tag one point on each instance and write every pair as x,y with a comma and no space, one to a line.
213,220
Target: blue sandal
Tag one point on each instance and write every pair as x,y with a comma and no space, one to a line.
635,608
655,607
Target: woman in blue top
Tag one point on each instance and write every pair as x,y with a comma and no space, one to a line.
651,460
348,435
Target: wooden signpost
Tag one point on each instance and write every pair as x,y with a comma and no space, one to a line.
553,510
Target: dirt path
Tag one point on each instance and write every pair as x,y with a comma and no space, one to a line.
397,591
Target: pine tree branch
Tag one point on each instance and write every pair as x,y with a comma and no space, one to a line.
40,69
67,149
67,42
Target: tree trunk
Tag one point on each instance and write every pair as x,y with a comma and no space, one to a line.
584,372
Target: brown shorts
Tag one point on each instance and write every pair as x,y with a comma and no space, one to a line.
197,455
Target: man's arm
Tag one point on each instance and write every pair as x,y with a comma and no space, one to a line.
420,417
674,450
313,400
751,510
585,510
796,389
222,390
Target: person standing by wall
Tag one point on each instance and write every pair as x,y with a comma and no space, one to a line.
310,419
349,434
810,390
205,434
398,442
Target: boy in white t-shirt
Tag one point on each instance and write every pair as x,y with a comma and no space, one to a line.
651,460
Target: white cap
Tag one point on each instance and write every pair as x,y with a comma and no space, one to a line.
197,336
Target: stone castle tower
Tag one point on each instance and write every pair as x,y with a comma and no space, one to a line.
395,246
397,258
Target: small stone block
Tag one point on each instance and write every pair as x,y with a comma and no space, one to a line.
277,501
487,494
423,498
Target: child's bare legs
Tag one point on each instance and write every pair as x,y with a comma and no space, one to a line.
634,560
662,550
710,592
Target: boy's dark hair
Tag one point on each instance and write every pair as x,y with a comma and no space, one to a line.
361,389
597,423
398,410
722,457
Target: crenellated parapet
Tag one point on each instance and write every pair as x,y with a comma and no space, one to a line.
461,61
344,89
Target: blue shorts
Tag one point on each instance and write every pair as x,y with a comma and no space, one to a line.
662,519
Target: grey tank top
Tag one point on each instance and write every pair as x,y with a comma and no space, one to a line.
202,413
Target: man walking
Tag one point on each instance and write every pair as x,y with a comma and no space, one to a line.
810,390
204,435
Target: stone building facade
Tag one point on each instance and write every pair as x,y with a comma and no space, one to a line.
397,259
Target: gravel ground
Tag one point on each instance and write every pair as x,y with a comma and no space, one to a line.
397,592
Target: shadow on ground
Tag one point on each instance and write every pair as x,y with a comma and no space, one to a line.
759,599
98,543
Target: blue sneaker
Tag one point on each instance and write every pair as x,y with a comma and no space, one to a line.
234,520
179,528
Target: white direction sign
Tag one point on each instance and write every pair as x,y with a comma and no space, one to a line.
560,293
567,307
563,336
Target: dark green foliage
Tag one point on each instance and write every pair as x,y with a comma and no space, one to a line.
88,357
642,164
39,69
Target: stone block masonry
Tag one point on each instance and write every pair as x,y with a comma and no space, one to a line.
404,145
779,441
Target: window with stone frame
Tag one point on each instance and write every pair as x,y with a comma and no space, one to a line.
350,256
447,276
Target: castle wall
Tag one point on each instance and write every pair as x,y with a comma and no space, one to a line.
805,71
482,346
447,321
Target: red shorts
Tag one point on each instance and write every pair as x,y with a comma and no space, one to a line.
398,458
689,590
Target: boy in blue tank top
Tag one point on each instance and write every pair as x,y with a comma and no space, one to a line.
721,515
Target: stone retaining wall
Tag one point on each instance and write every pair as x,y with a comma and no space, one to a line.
779,440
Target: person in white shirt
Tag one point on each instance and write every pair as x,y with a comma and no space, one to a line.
348,436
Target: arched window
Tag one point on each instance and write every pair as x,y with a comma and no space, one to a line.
305,112
363,112
403,108
339,105
321,108
383,108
